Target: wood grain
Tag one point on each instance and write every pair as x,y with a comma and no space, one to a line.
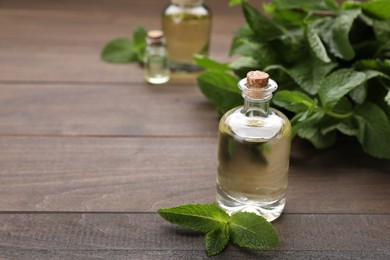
116,174
88,152
57,41
39,254
133,235
103,109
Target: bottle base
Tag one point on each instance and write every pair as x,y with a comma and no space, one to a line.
184,67
270,210
157,80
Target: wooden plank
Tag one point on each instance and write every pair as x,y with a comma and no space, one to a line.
64,44
144,174
17,253
103,109
147,235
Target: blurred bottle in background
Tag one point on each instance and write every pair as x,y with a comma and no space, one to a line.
187,25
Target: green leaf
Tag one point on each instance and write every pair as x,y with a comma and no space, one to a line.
295,101
216,240
242,65
387,98
317,138
289,47
309,73
359,93
374,130
264,28
338,84
337,37
377,8
347,128
220,89
119,51
382,30
305,119
373,64
139,37
235,2
198,217
316,44
208,63
243,32
263,53
291,4
251,231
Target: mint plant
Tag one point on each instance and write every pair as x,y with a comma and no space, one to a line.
244,229
331,61
126,50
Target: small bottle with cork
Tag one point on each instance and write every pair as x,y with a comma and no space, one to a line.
156,65
254,152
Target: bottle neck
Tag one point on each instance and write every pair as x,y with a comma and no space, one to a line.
257,100
256,107
187,2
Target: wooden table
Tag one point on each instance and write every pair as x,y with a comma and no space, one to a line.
89,152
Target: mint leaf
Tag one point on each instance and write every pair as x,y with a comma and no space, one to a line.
377,8
242,65
373,64
262,26
347,128
262,52
208,63
308,73
305,119
316,137
337,84
235,2
243,32
243,229
198,217
337,37
359,94
220,89
139,37
374,130
316,44
252,231
387,98
119,51
295,101
217,239
290,4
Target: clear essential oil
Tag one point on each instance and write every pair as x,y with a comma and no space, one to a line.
156,66
186,24
253,154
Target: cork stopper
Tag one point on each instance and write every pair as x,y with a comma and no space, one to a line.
257,85
155,37
155,34
257,79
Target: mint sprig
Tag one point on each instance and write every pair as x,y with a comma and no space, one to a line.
331,60
244,229
126,50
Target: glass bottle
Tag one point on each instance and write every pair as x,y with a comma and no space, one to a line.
186,24
254,152
156,66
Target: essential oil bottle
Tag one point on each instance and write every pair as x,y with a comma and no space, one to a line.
156,66
186,24
254,152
